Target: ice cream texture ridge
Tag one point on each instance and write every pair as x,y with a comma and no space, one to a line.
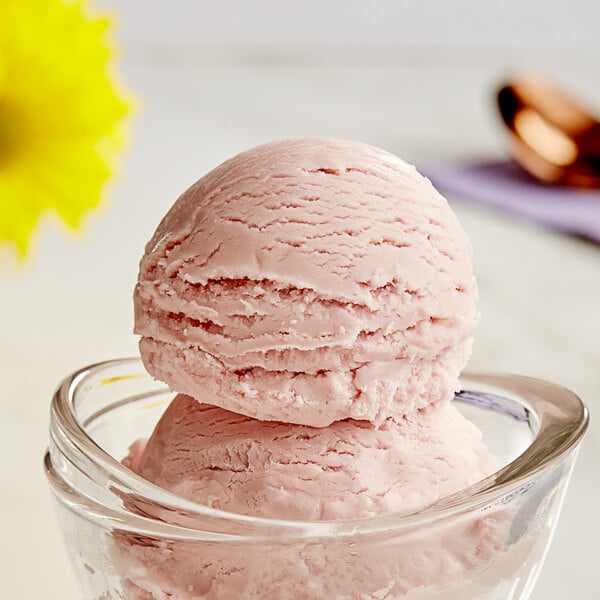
312,303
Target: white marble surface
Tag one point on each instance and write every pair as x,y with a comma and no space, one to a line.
71,305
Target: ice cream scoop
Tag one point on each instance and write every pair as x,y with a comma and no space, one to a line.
347,470
553,137
309,281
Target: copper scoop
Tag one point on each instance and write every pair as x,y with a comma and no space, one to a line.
552,137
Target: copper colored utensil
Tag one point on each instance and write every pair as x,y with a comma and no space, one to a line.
552,137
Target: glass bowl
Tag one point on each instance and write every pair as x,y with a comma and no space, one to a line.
129,539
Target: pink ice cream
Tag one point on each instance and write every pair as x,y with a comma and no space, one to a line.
348,470
313,303
309,281
461,563
351,469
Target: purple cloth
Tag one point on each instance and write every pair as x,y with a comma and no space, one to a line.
504,185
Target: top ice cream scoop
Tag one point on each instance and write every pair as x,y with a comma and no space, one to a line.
308,281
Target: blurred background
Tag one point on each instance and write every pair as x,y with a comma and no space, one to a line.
212,79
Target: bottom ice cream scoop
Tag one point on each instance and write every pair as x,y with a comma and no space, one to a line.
350,469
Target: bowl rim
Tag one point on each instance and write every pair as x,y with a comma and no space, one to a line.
561,417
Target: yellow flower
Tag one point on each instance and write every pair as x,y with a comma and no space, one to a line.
61,117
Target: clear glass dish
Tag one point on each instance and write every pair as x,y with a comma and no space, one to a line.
129,539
